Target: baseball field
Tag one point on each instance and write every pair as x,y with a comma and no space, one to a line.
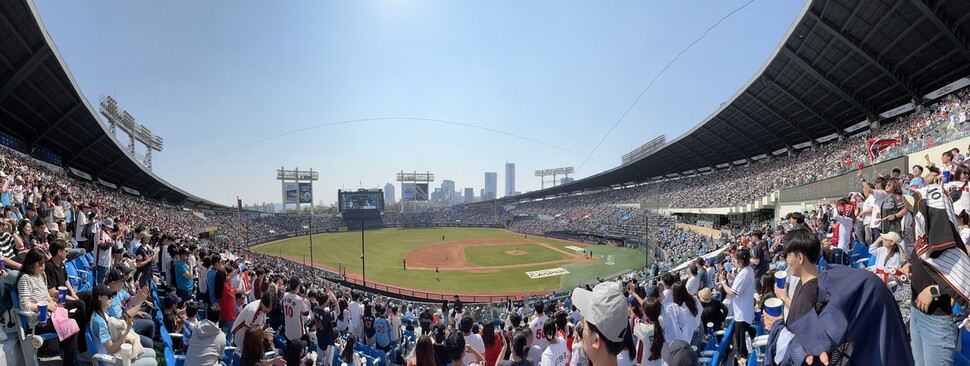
473,261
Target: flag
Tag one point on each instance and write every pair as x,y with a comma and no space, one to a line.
876,146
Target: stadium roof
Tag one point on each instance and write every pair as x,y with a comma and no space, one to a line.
42,106
841,62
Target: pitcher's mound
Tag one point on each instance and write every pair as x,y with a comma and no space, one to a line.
516,252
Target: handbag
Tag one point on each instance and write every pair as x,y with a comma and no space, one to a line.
64,325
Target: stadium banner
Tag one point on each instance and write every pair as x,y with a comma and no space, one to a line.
546,273
306,192
421,192
947,89
840,185
291,192
407,191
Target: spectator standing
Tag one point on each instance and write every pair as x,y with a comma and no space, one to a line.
208,343
382,330
538,321
471,339
324,324
184,276
556,353
742,295
294,313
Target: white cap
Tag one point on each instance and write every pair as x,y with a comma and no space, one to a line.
605,307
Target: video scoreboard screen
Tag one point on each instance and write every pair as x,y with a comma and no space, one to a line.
361,200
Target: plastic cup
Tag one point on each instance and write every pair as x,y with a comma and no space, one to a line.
710,328
42,313
774,306
61,294
780,278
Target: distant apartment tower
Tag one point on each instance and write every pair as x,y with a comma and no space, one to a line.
491,186
388,193
448,191
469,195
509,179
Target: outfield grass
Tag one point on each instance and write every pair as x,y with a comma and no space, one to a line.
385,249
496,255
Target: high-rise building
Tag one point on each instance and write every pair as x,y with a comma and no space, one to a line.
469,195
388,194
448,191
491,186
509,179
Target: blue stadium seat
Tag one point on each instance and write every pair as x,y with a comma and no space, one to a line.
722,346
28,344
98,359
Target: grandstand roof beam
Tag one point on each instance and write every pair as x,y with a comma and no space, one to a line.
109,166
131,178
26,68
890,70
787,120
692,152
746,137
722,140
14,30
846,95
759,124
716,153
50,127
941,24
85,150
802,103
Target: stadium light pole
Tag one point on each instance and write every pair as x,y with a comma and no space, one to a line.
310,229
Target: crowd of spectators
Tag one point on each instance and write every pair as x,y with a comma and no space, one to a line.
478,214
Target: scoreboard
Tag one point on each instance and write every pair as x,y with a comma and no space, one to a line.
362,200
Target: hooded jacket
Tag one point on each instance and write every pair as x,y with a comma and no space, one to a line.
207,346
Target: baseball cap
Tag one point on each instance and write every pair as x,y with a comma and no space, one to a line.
103,289
679,353
116,275
294,281
891,236
108,223
170,299
605,307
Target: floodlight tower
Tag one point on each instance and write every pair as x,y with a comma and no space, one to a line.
119,118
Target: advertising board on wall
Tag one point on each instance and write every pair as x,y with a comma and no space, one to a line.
840,185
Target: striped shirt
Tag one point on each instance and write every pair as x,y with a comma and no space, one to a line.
32,289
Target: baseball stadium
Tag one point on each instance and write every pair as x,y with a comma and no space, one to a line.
808,210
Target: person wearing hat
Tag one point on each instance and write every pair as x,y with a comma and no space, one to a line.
172,315
679,353
604,329
713,311
102,249
888,252
143,325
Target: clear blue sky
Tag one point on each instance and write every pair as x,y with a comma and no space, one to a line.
211,76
